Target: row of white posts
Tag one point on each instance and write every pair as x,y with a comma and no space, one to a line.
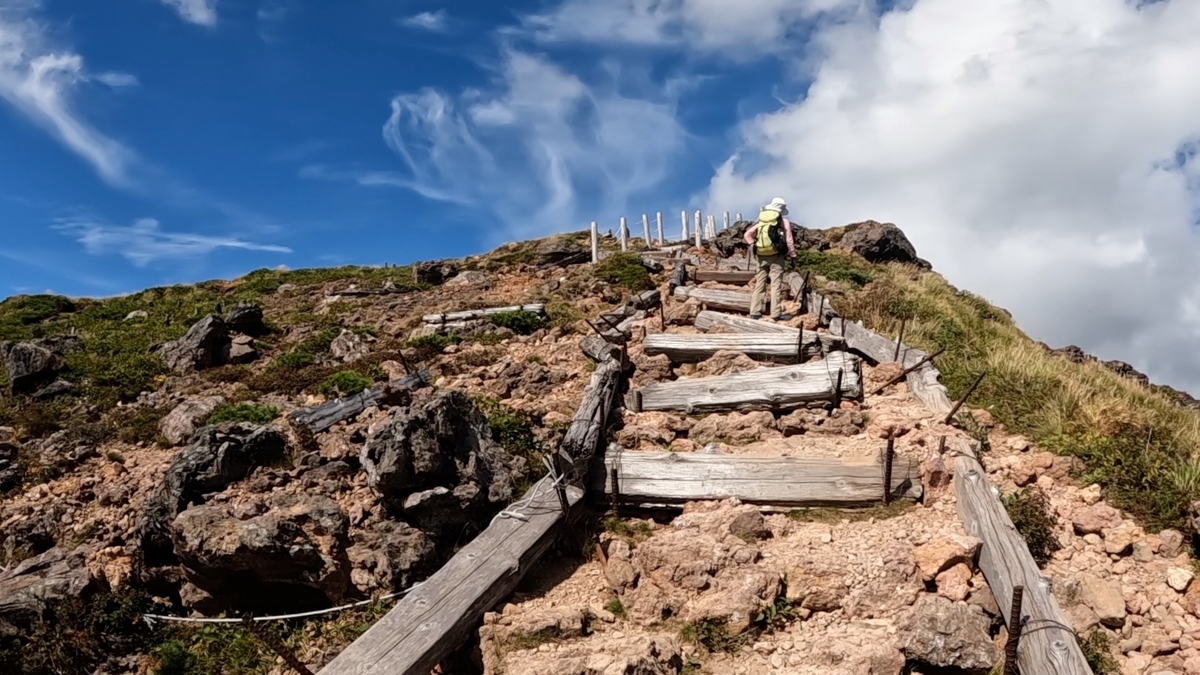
702,230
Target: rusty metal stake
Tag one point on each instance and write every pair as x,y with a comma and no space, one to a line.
1014,632
907,371
965,396
837,393
615,497
559,488
887,470
278,647
900,340
942,446
804,294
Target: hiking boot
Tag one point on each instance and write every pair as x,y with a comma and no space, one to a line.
756,316
782,317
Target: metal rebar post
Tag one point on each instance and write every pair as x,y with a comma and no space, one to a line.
889,456
900,340
1014,632
837,392
615,497
965,396
276,646
907,371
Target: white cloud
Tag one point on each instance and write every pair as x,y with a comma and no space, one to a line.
1041,153
200,12
39,82
145,242
753,27
430,21
270,18
543,152
116,80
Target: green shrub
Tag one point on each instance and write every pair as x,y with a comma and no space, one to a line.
254,413
563,314
514,432
624,269
429,346
1029,510
1098,653
20,312
713,635
834,267
293,360
520,322
288,380
615,607
142,427
345,383
489,339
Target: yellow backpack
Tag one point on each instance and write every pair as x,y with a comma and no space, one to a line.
769,240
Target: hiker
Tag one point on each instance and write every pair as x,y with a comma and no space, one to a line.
773,247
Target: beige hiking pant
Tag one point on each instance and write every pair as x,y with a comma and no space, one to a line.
768,266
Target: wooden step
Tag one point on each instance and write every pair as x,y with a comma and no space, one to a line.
774,347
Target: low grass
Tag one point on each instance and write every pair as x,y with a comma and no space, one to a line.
832,515
835,266
1136,443
714,634
1030,512
625,270
345,383
254,413
615,607
514,432
1097,651
520,322
633,531
563,314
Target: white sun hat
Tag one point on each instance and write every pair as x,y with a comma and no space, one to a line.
777,204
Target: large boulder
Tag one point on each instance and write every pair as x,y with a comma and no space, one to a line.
181,423
205,345
878,242
389,556
246,318
34,364
561,251
733,240
435,272
290,557
39,583
11,472
437,463
944,634
217,457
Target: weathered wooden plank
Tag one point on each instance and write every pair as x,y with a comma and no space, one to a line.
472,314
774,347
320,417
713,298
724,276
782,482
769,388
1048,645
922,382
708,320
586,431
678,277
437,615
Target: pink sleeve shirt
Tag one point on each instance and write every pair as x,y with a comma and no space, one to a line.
752,232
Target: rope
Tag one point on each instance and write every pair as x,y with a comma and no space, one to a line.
151,618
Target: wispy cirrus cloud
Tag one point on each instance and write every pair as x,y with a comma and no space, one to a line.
541,151
145,241
40,82
199,12
431,21
271,15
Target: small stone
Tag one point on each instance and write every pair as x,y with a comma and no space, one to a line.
954,583
1178,578
1094,519
1172,542
943,553
1120,540
1104,597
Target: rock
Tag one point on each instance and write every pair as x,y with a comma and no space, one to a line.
1179,578
945,552
11,472
955,583
290,558
726,363
241,350
55,388
945,634
636,655
217,457
435,272
729,242
246,318
205,345
816,587
1094,519
468,278
181,423
560,251
1119,540
734,428
33,364
136,314
936,477
983,598
750,526
1172,543
877,242
440,441
1103,596
348,347
31,534
392,556
40,583
650,369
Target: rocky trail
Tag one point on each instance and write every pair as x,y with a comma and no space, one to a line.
332,443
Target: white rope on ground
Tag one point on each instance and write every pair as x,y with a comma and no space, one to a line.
151,618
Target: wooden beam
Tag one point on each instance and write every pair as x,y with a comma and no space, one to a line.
708,320
586,430
473,314
774,347
922,382
1048,645
723,276
729,301
782,482
437,615
320,417
771,388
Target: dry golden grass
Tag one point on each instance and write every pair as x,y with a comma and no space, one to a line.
1137,443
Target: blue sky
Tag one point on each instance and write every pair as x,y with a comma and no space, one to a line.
1040,153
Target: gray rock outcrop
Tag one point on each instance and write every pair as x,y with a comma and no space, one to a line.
944,634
